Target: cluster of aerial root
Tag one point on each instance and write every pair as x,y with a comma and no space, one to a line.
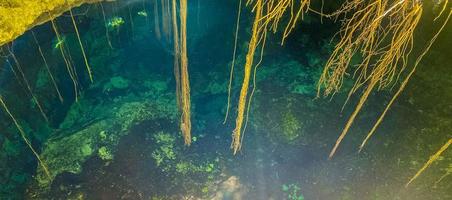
267,17
380,32
179,33
170,23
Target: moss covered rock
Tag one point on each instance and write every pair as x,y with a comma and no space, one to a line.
67,151
67,154
116,83
17,16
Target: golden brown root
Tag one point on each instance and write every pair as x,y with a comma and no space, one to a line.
405,81
69,67
23,135
276,9
358,32
236,135
176,52
185,84
361,102
430,161
267,16
231,73
181,68
250,99
88,68
442,9
60,97
382,33
28,87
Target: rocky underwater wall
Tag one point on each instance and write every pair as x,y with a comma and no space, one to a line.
18,16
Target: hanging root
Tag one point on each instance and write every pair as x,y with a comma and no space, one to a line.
430,161
447,173
236,135
28,87
442,9
382,33
267,17
250,99
185,84
22,134
181,68
106,25
231,73
405,81
69,67
132,26
60,97
88,68
176,49
165,18
156,21
276,9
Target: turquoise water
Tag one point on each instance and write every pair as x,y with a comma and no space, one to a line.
121,138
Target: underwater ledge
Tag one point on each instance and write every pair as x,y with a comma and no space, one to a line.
19,16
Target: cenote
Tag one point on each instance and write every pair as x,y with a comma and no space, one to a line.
226,99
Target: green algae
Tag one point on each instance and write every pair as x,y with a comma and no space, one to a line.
292,128
115,22
56,44
292,192
180,170
105,154
67,154
165,153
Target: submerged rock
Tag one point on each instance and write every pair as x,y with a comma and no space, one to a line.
102,126
116,83
67,154
17,16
